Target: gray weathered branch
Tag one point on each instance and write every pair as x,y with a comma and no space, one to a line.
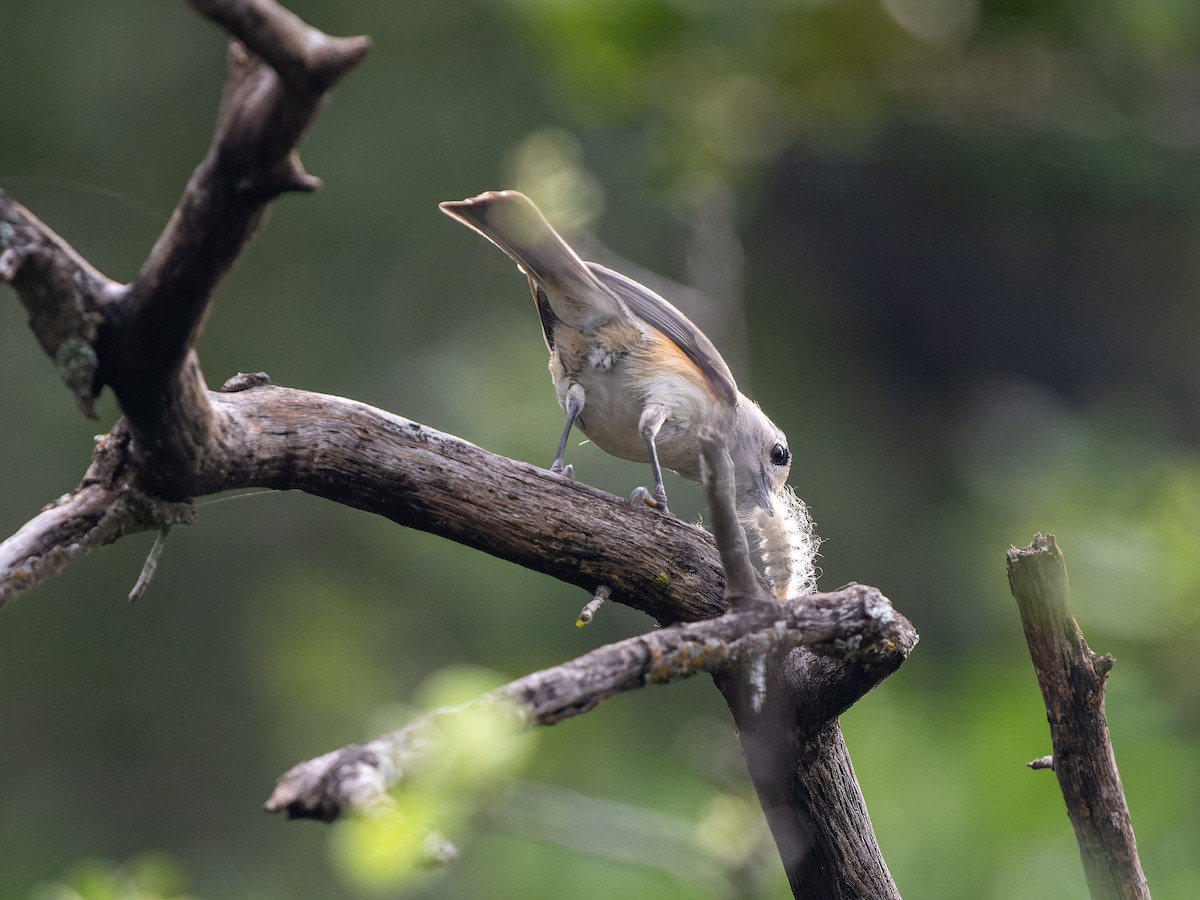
359,456
62,294
1072,679
785,702
138,338
787,671
105,507
854,623
178,440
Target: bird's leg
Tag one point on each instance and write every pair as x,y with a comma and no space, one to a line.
573,406
649,424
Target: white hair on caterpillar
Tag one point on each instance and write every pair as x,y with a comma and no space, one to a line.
787,545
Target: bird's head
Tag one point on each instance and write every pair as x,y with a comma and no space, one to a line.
761,459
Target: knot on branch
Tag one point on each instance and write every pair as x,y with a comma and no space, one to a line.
244,381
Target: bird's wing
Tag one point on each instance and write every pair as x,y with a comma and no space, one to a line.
549,320
662,316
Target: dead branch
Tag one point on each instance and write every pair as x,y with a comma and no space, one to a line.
138,338
853,623
178,440
1072,679
353,454
785,702
787,670
106,506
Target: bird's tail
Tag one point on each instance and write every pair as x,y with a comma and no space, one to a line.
787,544
512,222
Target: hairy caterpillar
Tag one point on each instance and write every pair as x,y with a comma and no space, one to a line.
787,545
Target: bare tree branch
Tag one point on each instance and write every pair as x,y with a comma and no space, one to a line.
269,103
61,293
106,506
353,454
854,622
138,338
179,440
1072,679
785,701
802,772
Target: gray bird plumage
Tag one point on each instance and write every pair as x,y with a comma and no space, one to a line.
633,373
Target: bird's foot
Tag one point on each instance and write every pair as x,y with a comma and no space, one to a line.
568,472
643,497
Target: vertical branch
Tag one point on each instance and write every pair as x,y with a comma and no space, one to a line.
785,704
802,772
1072,679
279,73
742,587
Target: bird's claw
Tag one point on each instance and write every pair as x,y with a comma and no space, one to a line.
568,471
642,496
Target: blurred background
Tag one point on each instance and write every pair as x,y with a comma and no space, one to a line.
949,245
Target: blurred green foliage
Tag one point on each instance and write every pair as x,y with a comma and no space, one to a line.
476,751
960,235
147,876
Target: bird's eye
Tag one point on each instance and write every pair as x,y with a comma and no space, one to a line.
780,455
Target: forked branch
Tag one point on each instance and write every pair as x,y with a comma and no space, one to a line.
852,622
178,440
787,669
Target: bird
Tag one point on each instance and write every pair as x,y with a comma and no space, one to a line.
631,371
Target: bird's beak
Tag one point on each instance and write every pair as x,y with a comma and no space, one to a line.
761,494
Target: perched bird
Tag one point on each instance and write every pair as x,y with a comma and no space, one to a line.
631,371
641,381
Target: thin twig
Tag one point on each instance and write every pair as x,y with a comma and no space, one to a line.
603,592
150,566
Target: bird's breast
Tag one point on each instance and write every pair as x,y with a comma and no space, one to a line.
621,373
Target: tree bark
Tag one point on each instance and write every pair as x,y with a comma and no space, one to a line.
850,623
359,456
785,702
785,713
1072,679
